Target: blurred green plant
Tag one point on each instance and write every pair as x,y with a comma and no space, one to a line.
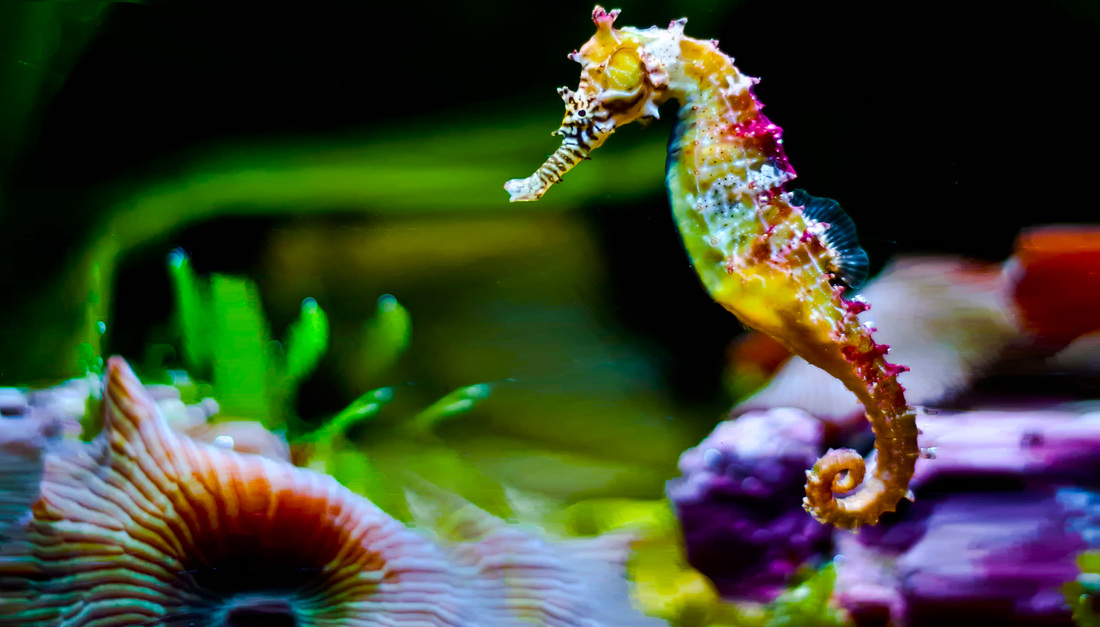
225,338
90,363
399,452
272,178
331,451
458,402
807,604
388,334
1082,593
39,44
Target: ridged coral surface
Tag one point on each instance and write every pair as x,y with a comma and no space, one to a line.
147,527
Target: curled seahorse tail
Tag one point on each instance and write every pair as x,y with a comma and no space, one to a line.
841,471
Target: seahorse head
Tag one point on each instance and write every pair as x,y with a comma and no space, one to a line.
620,81
623,79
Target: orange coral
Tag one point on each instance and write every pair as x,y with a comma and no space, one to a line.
1058,285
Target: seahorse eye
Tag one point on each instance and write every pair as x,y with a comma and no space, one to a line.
625,70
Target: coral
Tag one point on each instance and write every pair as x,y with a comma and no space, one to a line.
145,526
1004,508
1006,503
22,443
1054,281
741,526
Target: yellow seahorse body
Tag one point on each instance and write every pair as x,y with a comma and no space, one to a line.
776,259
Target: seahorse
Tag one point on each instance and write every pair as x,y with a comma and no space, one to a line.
781,261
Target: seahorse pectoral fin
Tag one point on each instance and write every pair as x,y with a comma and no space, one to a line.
840,236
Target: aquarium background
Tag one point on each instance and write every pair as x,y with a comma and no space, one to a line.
344,152
354,154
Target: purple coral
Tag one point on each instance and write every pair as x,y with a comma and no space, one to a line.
1005,503
740,502
1002,512
23,442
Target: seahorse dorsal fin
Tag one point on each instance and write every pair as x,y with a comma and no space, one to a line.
852,262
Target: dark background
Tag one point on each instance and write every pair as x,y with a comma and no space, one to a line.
941,127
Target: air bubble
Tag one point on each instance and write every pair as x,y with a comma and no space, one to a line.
712,457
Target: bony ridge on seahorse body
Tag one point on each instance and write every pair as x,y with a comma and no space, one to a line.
779,260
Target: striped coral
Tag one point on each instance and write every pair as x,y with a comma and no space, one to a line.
145,526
